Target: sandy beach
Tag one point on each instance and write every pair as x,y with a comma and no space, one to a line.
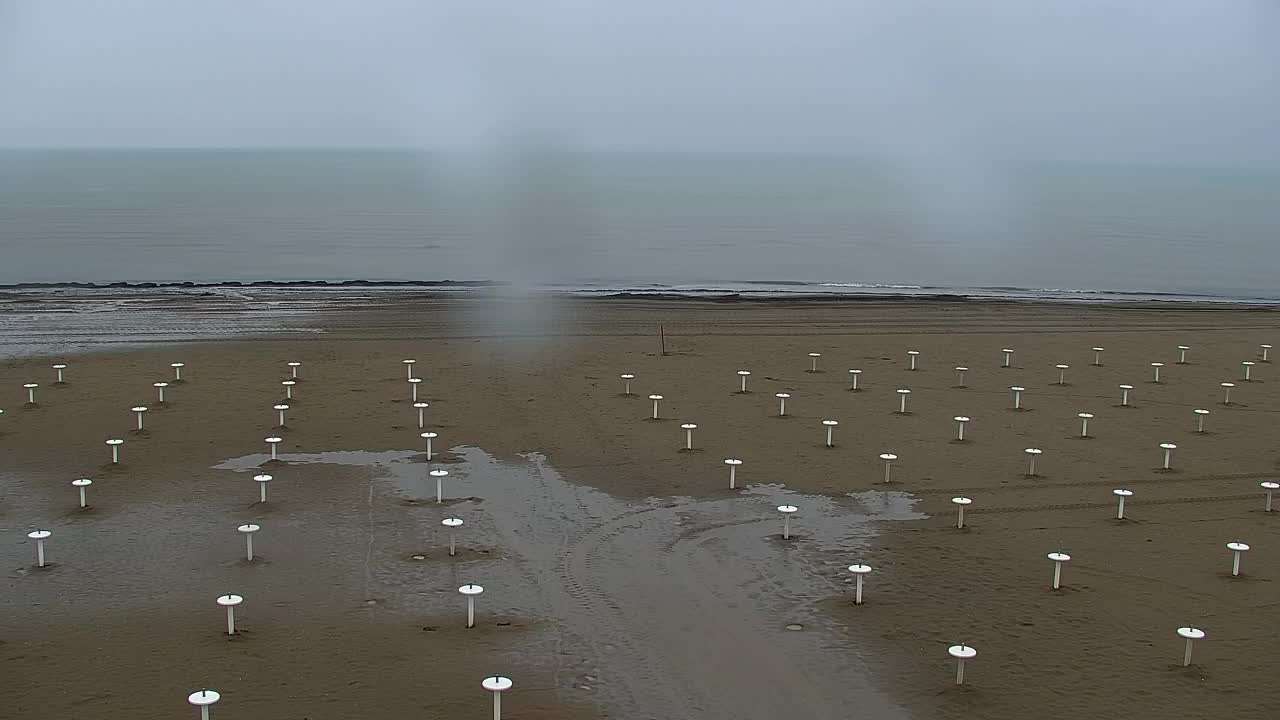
623,578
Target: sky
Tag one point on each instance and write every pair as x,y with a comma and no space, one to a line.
1195,81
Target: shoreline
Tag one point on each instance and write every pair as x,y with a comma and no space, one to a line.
733,291
54,324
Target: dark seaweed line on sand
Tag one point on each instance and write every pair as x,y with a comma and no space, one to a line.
660,292
258,283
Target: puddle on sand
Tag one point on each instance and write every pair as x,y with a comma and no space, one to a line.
670,604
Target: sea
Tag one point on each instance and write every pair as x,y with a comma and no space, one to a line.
656,223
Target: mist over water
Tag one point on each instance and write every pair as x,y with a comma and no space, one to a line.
1070,145
535,215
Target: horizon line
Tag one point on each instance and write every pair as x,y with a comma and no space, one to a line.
842,155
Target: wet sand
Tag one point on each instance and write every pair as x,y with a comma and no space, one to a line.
622,577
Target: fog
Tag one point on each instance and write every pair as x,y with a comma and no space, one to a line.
1182,81
951,96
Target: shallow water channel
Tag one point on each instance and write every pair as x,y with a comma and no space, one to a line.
672,607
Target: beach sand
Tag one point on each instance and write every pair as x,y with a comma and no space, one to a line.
623,578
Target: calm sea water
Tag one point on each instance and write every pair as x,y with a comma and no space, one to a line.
622,221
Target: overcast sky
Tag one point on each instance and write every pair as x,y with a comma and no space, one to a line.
1169,80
